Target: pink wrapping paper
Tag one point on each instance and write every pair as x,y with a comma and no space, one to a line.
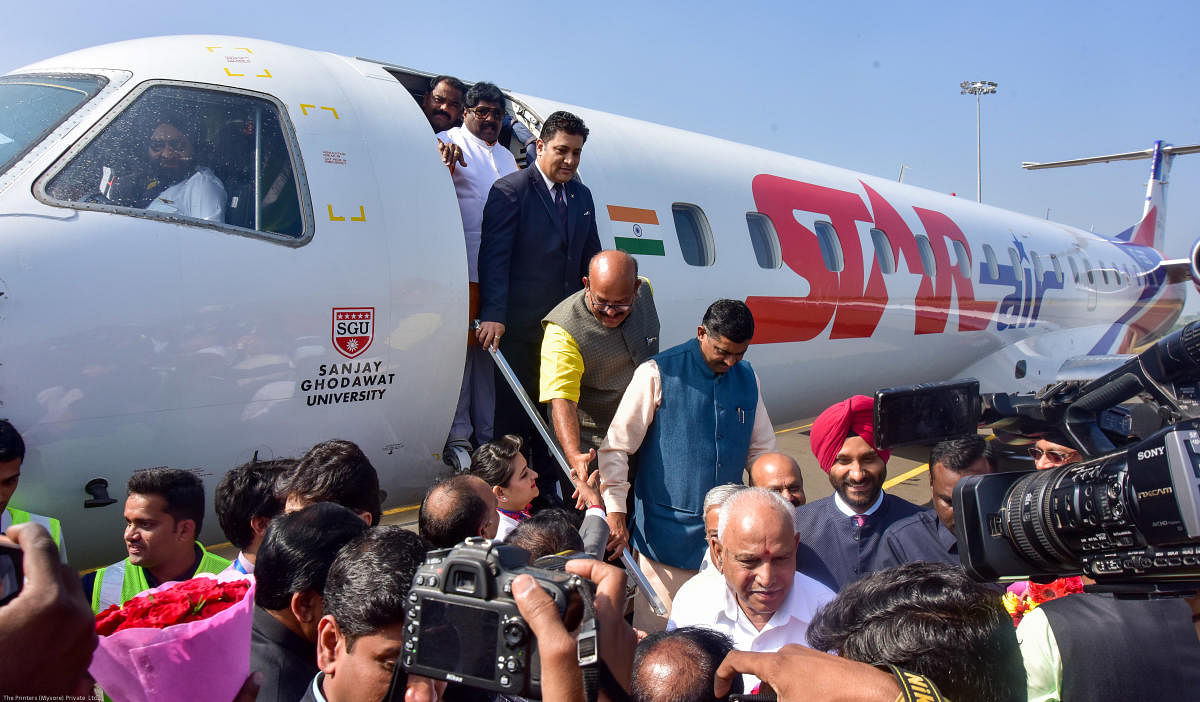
204,660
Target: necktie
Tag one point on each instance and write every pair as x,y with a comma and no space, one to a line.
560,201
860,520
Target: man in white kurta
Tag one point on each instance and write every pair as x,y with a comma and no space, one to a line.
476,160
762,603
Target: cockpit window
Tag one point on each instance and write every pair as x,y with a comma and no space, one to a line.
195,153
32,106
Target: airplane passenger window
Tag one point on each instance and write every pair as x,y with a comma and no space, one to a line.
1037,266
32,106
964,259
883,251
1058,271
764,239
993,266
1074,268
1016,263
928,262
695,236
831,247
193,153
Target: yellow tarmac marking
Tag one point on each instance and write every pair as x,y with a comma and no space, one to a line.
398,510
910,474
784,431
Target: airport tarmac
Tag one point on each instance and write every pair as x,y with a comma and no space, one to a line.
907,477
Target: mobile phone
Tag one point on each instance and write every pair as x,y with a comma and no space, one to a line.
12,571
926,413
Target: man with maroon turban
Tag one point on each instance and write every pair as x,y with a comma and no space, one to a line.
840,534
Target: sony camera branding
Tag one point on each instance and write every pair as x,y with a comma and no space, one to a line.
1151,453
1159,492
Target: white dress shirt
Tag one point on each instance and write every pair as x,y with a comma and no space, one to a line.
201,196
507,524
706,600
485,164
849,511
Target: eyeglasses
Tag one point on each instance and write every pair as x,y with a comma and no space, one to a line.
488,112
1056,457
176,144
605,307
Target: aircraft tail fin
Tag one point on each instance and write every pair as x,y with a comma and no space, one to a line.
1151,228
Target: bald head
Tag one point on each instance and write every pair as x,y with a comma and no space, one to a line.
612,286
679,665
612,263
458,507
779,473
755,510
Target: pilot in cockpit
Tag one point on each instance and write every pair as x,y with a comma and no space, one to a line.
178,184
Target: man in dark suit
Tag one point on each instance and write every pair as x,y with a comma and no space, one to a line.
840,534
538,234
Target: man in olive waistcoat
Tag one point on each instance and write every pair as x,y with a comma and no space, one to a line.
594,339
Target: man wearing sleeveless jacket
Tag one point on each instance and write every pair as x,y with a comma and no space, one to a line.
695,418
594,340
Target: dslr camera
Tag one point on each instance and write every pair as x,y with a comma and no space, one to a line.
1127,516
462,624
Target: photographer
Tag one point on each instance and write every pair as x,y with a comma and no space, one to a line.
47,633
561,675
929,618
1149,649
798,673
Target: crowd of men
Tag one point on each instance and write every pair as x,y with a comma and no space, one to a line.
671,454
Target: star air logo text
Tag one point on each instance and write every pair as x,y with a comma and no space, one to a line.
353,330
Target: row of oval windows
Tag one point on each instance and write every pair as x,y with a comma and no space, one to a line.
697,246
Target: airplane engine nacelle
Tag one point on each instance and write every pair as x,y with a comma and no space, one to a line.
1195,260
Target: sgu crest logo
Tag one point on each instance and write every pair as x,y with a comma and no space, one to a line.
353,330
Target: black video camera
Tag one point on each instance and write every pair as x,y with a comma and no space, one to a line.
1127,516
463,625
1128,519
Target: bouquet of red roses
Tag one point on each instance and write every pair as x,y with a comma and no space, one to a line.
180,641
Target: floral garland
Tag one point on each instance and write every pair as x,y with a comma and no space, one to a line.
1023,597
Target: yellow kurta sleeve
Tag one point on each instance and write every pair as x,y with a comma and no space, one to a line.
562,366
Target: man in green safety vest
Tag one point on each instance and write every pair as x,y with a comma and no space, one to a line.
163,513
12,454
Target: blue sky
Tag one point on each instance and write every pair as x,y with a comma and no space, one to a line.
863,85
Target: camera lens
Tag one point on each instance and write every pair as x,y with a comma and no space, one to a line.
1029,517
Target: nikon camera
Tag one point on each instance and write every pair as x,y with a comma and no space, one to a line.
463,625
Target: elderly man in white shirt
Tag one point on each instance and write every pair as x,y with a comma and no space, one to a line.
762,603
476,160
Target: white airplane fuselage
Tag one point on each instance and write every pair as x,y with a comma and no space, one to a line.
131,341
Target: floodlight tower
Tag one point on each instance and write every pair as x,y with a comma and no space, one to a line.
977,88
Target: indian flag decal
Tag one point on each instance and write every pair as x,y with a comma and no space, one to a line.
636,231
